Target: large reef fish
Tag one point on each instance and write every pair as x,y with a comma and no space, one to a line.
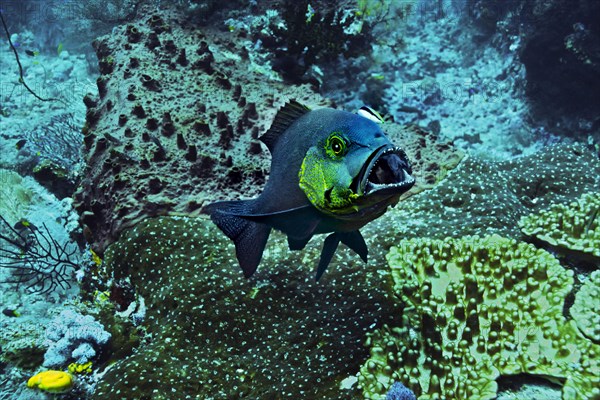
332,171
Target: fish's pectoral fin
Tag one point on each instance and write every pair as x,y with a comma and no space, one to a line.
249,237
329,247
297,244
356,242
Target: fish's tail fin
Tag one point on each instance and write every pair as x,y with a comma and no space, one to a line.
248,236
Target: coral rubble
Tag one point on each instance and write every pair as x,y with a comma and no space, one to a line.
478,308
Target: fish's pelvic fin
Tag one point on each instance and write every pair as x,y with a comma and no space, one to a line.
297,244
290,112
356,242
249,237
329,247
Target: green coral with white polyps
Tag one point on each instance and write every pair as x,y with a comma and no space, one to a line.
475,309
586,308
574,227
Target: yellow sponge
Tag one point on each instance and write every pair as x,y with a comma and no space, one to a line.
51,381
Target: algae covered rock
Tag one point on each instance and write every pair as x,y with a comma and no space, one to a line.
476,309
573,227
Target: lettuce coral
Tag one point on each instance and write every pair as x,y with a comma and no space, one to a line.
586,309
475,309
573,227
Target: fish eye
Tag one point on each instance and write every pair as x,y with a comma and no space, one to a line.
337,145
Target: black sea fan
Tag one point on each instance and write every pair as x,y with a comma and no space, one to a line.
37,261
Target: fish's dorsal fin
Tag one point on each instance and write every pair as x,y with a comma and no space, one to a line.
369,113
290,112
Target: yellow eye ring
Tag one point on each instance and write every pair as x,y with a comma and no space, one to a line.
336,145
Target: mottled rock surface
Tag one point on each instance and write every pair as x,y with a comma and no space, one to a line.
175,124
177,121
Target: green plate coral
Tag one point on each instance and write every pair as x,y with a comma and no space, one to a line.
586,309
572,227
476,309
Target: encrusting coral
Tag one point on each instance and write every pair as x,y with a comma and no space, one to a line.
277,335
476,309
573,227
51,381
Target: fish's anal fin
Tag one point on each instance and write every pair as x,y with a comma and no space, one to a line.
297,244
290,112
356,242
329,247
249,237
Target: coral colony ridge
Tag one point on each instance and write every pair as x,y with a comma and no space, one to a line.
294,199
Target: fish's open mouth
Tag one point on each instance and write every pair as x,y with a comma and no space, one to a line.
387,170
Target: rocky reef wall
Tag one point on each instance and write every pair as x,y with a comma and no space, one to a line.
177,120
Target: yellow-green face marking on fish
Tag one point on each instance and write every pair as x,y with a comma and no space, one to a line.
324,176
331,172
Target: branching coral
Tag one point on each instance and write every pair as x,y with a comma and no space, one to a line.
72,336
573,227
480,308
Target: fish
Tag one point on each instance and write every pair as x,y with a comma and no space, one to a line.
332,172
20,144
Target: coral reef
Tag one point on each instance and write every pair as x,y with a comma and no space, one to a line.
478,308
305,41
22,345
184,270
179,103
277,335
400,392
486,197
38,249
586,308
72,336
15,196
34,259
53,151
437,71
552,39
187,105
570,228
